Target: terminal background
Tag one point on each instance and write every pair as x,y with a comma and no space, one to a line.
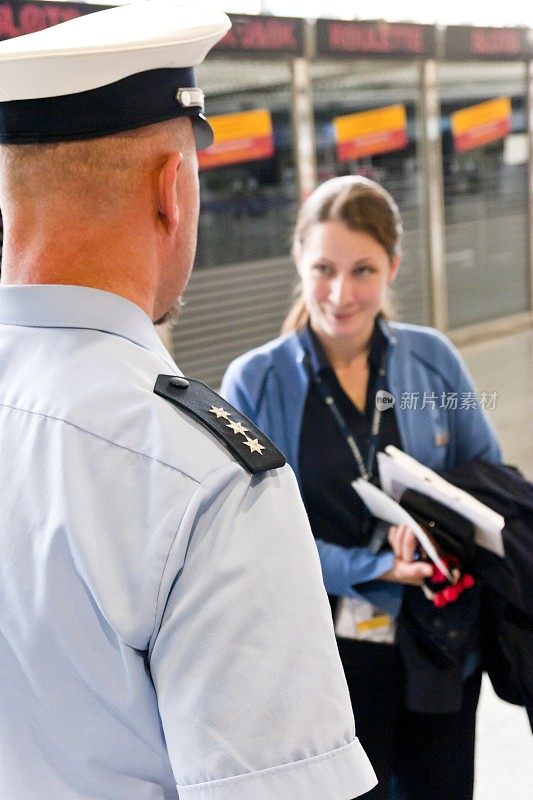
474,281
243,281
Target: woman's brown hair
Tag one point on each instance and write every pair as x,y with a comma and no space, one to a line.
360,204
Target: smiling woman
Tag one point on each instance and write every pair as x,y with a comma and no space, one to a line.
344,275
340,208
347,248
315,392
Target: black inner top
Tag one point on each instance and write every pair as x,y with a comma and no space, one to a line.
327,465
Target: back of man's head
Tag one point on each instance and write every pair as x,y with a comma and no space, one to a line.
91,177
100,118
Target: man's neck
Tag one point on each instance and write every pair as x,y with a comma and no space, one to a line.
99,261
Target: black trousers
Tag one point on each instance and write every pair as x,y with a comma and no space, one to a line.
415,756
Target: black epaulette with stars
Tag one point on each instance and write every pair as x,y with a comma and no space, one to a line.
247,442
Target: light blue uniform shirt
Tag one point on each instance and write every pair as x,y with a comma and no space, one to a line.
164,632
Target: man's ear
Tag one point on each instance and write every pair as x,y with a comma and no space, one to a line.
167,191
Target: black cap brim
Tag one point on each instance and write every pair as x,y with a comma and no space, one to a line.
203,132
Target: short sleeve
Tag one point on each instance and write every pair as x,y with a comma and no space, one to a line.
251,693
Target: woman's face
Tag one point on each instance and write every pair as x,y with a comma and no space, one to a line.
344,277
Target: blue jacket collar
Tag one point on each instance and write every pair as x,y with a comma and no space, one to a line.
311,347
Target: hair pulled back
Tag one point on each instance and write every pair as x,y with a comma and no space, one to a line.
358,203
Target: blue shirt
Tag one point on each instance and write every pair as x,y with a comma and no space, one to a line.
164,627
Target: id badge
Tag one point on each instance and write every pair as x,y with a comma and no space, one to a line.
362,621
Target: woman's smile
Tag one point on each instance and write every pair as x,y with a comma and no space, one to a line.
345,275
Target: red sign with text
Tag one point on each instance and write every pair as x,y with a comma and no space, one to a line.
246,136
481,124
370,133
263,35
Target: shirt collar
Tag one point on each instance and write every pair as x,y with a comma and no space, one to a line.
62,306
381,338
317,358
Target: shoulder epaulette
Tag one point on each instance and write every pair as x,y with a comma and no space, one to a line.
245,440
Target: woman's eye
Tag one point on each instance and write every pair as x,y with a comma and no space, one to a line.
322,269
363,270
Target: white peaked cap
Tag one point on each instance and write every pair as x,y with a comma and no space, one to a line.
105,72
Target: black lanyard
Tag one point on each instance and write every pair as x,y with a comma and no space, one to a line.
365,470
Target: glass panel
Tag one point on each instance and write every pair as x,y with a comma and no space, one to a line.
347,88
240,289
248,208
485,194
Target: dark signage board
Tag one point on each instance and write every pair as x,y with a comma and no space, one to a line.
249,35
462,43
18,17
271,37
375,39
263,37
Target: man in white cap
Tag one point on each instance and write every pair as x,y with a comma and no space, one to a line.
164,632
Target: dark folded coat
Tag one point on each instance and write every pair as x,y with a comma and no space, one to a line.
436,641
507,601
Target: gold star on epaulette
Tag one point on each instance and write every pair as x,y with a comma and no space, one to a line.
254,446
219,412
237,427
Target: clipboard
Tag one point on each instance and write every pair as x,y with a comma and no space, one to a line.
399,471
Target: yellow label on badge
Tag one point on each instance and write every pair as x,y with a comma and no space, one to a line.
381,621
358,619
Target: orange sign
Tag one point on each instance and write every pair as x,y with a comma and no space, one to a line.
371,132
480,124
246,136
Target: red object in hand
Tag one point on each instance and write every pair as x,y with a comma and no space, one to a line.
468,581
448,595
438,576
452,591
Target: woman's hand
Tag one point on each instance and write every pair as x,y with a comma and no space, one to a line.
410,572
403,543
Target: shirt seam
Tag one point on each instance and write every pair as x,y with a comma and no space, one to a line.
199,485
291,766
100,438
199,488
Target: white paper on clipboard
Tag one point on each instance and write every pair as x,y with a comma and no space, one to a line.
398,471
384,507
